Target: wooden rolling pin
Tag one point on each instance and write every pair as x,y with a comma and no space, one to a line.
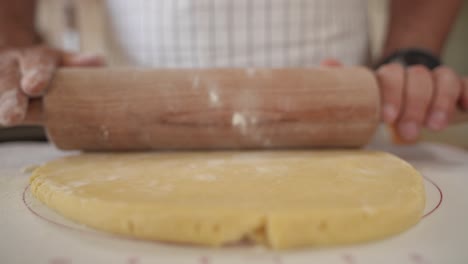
140,109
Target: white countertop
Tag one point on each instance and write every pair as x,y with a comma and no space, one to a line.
31,233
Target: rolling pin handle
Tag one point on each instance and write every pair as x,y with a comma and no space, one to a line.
34,115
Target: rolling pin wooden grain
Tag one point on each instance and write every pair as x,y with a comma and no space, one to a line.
141,109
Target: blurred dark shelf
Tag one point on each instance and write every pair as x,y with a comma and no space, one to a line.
26,133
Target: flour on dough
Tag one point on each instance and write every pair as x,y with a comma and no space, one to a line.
283,199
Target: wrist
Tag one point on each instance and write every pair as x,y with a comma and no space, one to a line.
18,39
412,56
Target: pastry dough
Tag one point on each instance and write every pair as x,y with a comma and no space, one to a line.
283,199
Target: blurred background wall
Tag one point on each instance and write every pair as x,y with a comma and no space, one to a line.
457,49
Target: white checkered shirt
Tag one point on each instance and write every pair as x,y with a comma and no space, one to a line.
240,33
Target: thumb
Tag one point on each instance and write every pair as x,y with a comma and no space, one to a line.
70,59
331,63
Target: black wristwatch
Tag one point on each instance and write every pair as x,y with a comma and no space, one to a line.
412,56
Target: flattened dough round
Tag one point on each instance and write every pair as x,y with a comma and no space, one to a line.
283,199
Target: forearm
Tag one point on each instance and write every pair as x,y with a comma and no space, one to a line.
17,23
420,23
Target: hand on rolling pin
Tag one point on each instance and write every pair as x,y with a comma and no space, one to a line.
26,72
415,97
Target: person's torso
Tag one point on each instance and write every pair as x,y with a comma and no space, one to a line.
240,33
